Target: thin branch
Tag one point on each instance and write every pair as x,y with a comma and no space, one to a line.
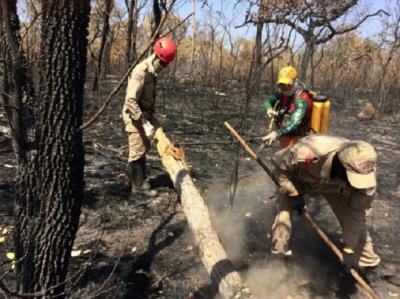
8,96
24,295
27,28
334,31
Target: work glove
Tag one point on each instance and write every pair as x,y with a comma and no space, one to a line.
270,138
148,129
297,204
271,112
349,260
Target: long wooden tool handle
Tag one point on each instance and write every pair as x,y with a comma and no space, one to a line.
249,150
339,254
307,215
241,141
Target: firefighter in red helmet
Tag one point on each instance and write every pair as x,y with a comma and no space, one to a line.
165,49
138,112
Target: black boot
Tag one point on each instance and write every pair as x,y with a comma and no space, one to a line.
145,186
136,174
145,183
372,275
134,180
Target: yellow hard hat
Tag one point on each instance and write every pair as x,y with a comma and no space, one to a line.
287,75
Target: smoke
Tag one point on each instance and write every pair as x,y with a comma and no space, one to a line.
237,224
289,279
245,232
269,280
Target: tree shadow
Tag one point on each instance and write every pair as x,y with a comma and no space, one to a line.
219,271
160,181
139,281
132,274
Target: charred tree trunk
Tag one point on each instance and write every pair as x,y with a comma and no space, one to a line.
128,49
257,59
312,70
157,17
235,59
221,60
107,55
193,38
19,103
5,68
258,48
50,190
314,64
305,61
210,75
17,83
108,5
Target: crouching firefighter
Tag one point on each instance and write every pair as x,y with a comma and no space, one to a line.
138,112
295,110
344,173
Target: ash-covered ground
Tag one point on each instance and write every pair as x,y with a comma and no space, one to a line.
143,248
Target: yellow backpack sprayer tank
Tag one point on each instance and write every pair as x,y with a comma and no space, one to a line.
320,114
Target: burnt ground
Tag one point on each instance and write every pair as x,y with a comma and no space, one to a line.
143,248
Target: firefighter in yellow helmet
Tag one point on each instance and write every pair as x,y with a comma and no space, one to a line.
344,173
138,112
291,106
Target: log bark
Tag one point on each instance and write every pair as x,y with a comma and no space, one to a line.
212,252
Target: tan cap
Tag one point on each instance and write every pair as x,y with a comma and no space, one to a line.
359,159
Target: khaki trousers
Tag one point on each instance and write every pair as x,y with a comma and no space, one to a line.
138,142
139,145
282,228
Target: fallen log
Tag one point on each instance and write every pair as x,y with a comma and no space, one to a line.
212,252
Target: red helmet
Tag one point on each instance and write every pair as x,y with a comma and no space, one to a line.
165,49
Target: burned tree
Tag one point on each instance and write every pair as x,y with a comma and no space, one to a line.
17,87
108,5
192,56
50,168
313,20
391,40
131,32
157,15
131,6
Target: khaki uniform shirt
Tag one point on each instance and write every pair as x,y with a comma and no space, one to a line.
306,167
140,95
